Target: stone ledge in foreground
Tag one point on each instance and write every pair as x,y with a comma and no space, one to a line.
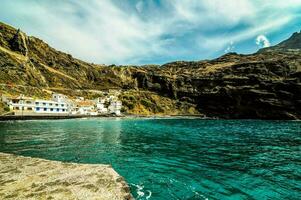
34,178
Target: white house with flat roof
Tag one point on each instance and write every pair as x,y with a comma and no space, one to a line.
60,98
51,107
28,106
21,105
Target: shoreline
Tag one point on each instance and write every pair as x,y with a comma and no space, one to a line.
126,116
57,117
51,117
35,178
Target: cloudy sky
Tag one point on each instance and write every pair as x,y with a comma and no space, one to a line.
154,31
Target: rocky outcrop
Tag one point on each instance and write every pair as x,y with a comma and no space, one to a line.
264,85
18,44
265,89
34,178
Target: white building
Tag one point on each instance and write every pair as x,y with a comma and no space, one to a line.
115,107
112,103
86,107
101,108
21,105
51,107
100,105
87,110
60,98
28,106
61,105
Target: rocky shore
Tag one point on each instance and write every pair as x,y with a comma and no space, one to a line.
34,178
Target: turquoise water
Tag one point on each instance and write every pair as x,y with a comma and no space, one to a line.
174,158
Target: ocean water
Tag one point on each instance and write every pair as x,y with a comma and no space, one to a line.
169,159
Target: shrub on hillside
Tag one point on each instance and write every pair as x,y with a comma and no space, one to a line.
147,103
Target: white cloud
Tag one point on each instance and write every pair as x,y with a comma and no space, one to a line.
280,3
230,47
218,42
211,13
262,41
106,32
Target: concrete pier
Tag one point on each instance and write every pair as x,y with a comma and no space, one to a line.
34,178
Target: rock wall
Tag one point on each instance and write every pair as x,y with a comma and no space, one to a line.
257,89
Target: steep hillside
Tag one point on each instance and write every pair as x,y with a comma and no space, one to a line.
264,85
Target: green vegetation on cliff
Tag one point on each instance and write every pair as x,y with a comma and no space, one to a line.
149,103
3,108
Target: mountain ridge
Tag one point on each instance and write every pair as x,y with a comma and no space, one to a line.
290,44
264,85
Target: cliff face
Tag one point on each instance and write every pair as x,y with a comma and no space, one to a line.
234,86
263,85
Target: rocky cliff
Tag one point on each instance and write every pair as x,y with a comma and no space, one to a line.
264,85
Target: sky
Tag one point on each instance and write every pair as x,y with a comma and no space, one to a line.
154,31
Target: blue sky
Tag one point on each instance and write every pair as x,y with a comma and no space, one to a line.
154,31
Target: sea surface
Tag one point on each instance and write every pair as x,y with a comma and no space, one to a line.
168,159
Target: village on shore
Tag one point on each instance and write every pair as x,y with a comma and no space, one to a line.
61,105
